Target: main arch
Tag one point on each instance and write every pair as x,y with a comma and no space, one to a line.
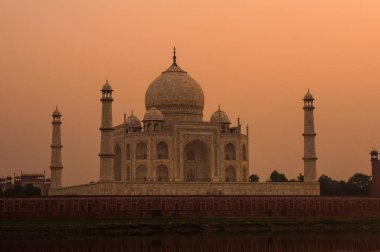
197,161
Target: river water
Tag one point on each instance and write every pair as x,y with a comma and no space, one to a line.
296,242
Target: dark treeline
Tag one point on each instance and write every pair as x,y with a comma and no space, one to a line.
358,184
21,191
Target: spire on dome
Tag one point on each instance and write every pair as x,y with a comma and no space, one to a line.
107,86
56,112
174,67
308,95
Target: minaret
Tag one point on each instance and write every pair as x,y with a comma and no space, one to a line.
106,139
309,158
56,155
375,163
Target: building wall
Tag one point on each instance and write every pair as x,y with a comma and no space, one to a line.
188,207
177,138
190,188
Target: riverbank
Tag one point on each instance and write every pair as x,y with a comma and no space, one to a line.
185,226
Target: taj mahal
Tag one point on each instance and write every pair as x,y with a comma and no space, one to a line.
173,150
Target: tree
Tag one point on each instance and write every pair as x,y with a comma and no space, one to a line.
22,191
329,186
300,178
254,178
277,177
359,184
30,190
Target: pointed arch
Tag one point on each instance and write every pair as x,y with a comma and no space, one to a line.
141,173
162,151
156,127
117,163
196,161
162,173
141,151
230,174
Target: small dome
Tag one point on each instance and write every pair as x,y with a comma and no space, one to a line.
56,112
220,117
107,87
153,114
308,96
132,121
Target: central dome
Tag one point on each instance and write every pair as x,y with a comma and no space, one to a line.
178,96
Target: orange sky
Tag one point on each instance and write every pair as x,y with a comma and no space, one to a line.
255,58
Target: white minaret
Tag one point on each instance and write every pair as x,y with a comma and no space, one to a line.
106,139
56,154
309,158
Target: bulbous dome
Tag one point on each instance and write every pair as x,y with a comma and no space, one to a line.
107,87
56,112
308,96
220,116
153,114
132,121
176,95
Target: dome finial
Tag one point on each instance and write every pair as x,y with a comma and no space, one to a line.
132,112
219,107
174,57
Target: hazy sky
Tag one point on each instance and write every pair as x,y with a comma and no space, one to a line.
255,58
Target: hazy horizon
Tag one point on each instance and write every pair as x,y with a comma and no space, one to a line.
255,58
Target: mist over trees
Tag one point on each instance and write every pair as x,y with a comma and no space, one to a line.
358,184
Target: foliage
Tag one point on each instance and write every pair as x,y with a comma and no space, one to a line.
300,178
254,178
23,191
277,177
358,184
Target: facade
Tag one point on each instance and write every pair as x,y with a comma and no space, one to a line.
174,151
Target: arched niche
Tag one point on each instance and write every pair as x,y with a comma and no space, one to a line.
162,173
141,173
197,161
230,174
141,151
162,151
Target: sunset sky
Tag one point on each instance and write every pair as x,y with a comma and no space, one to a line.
255,58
